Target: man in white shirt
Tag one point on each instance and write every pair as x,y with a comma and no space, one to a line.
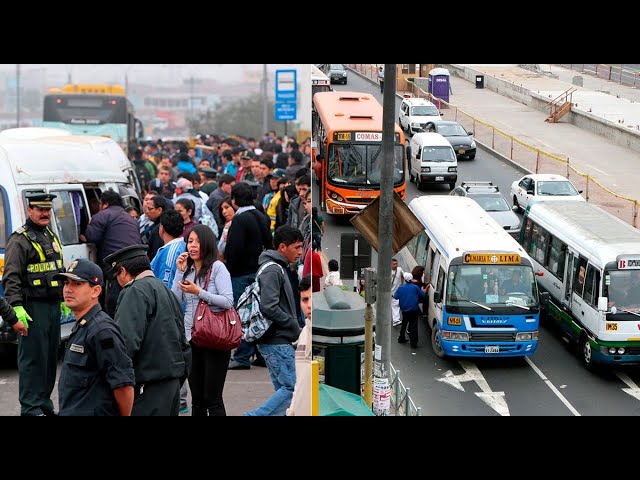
397,279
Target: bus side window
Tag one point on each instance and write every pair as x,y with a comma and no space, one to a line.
526,239
581,272
71,216
592,285
440,283
555,261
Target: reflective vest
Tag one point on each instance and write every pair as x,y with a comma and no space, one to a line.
44,266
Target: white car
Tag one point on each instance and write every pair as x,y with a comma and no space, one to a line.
543,187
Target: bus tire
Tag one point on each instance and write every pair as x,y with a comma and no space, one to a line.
585,351
435,341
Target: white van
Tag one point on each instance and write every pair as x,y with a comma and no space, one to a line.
432,160
77,169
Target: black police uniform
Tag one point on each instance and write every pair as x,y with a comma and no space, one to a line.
33,256
152,323
95,364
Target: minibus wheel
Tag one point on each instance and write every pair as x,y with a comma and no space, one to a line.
435,341
586,352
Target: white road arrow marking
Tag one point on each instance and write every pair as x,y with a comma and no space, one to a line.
3,381
472,373
495,400
633,389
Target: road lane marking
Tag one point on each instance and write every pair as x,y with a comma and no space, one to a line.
598,170
633,389
495,400
552,387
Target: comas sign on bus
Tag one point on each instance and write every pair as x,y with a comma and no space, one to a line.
627,263
492,258
368,136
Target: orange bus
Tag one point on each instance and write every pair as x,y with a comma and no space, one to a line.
347,136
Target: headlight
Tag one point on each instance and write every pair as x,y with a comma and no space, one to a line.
453,169
415,125
344,74
456,336
425,169
621,350
526,336
473,144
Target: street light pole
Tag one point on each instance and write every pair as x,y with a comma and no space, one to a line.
381,370
265,103
17,95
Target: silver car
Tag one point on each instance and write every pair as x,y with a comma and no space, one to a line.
491,200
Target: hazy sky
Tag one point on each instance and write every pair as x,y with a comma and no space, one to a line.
159,74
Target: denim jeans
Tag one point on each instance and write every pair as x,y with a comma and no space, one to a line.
281,362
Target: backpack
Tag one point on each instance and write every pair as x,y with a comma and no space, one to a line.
254,324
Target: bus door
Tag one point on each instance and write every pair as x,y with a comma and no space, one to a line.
569,275
70,218
435,310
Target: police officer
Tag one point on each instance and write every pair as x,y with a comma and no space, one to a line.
97,374
152,323
32,257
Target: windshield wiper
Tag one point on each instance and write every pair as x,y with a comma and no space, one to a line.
476,303
629,311
519,306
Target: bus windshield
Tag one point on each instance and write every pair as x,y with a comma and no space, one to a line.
84,110
360,164
622,287
490,285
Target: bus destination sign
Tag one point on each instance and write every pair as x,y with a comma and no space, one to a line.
492,258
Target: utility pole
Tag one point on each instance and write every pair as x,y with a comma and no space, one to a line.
17,95
381,381
265,103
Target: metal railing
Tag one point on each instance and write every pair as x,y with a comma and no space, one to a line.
401,403
525,155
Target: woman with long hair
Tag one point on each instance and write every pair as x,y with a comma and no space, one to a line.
209,367
226,213
186,208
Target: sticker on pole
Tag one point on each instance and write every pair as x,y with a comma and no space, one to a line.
378,353
381,397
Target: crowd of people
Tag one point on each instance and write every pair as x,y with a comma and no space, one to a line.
211,214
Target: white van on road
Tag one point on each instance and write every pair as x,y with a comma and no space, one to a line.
432,160
415,113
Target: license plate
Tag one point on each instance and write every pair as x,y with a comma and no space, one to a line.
440,179
461,152
492,349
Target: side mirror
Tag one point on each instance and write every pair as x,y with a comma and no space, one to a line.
544,298
515,209
530,191
540,273
470,133
437,297
603,303
580,191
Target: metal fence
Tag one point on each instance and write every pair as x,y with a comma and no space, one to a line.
401,403
526,156
613,73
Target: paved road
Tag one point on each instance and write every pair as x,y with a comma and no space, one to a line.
552,382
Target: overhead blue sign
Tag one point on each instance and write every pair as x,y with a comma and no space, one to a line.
285,111
286,86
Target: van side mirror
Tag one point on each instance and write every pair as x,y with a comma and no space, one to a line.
515,209
437,297
442,114
580,191
603,303
530,191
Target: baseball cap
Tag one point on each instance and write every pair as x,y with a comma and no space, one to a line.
83,270
279,173
183,183
408,277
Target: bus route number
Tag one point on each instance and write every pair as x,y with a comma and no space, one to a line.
611,327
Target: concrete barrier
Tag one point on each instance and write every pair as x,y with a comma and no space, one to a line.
612,131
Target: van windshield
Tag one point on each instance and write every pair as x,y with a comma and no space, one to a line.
425,111
361,164
438,154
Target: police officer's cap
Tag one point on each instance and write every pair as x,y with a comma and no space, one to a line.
209,172
40,199
83,270
132,251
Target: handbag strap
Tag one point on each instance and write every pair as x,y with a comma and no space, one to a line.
206,280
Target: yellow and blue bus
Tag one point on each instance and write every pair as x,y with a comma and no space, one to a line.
98,110
476,306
